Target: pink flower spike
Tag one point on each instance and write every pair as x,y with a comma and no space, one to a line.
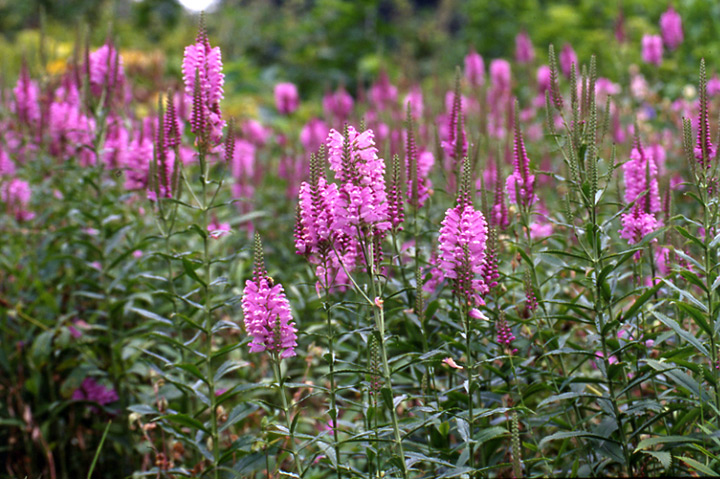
287,99
671,28
475,69
652,49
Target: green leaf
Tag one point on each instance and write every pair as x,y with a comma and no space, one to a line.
697,316
99,448
689,337
690,236
150,315
192,369
229,366
654,441
698,466
663,456
571,434
489,433
463,429
237,414
185,420
190,271
640,302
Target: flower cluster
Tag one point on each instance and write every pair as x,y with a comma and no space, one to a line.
462,259
268,318
204,80
520,185
91,390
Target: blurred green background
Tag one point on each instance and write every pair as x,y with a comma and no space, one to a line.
318,44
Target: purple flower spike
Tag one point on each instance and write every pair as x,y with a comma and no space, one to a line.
652,49
204,62
475,69
268,318
671,28
287,99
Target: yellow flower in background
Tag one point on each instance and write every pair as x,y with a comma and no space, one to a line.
57,67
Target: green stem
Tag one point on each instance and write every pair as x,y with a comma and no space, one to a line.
379,314
207,310
286,409
470,372
333,400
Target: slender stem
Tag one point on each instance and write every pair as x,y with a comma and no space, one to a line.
333,400
379,314
207,310
470,372
286,409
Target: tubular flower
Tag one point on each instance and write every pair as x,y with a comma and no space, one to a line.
475,69
317,235
637,170
204,63
568,57
520,184
361,173
637,224
462,259
106,72
704,149
268,318
16,195
287,99
652,49
671,28
524,52
27,94
338,104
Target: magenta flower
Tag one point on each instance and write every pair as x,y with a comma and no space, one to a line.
27,96
641,220
713,86
361,174
423,163
338,104
524,52
456,145
90,390
671,28
313,134
383,93
500,74
7,167
568,57
217,230
636,173
16,195
287,99
242,168
543,79
462,239
137,159
520,185
415,99
505,336
652,49
204,62
255,132
704,150
475,69
107,74
268,319
320,234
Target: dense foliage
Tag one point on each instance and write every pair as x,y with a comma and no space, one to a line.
511,275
